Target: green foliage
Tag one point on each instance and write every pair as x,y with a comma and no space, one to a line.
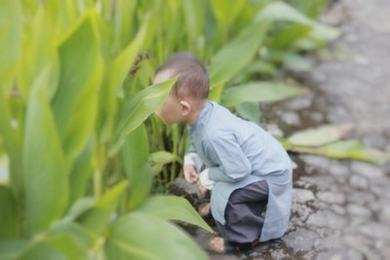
259,92
76,99
150,238
135,154
72,125
44,166
8,214
326,141
173,208
319,136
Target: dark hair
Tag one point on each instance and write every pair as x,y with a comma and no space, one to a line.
193,78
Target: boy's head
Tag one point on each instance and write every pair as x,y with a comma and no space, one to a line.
190,91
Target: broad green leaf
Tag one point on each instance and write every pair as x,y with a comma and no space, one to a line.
174,208
280,11
142,236
64,13
96,219
80,174
12,141
285,37
135,154
55,246
122,22
75,102
137,109
161,158
237,54
297,63
46,182
250,111
117,72
260,91
226,11
10,249
40,250
320,135
348,149
78,208
82,235
194,19
9,218
38,50
11,22
312,8
262,67
11,31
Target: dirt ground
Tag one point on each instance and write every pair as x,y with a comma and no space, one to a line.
341,209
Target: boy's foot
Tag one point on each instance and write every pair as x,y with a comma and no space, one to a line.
204,209
217,245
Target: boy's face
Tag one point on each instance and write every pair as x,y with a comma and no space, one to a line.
172,110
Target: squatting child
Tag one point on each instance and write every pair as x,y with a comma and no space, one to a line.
247,170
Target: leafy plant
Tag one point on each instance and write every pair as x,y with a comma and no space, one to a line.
73,130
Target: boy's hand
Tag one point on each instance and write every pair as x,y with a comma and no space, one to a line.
190,174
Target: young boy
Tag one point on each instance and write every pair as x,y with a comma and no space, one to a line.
247,170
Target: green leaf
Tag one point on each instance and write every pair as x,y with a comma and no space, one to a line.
117,73
11,25
11,31
142,236
280,11
55,246
10,249
285,37
312,8
161,158
137,109
75,102
122,22
348,149
12,140
43,162
174,208
82,235
78,208
226,12
237,54
260,91
9,218
38,50
250,111
297,63
97,218
194,19
135,154
80,174
320,135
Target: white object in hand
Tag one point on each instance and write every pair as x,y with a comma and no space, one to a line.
205,180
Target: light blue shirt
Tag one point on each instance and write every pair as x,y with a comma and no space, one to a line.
237,153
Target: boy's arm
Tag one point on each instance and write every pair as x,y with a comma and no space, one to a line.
192,158
233,164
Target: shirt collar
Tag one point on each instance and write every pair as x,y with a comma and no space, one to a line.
200,121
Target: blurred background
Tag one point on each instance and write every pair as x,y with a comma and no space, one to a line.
88,171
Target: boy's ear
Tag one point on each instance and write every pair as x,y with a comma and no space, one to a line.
185,107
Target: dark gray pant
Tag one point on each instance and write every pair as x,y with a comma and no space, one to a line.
244,213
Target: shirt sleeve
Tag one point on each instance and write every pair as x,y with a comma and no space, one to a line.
232,164
192,158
